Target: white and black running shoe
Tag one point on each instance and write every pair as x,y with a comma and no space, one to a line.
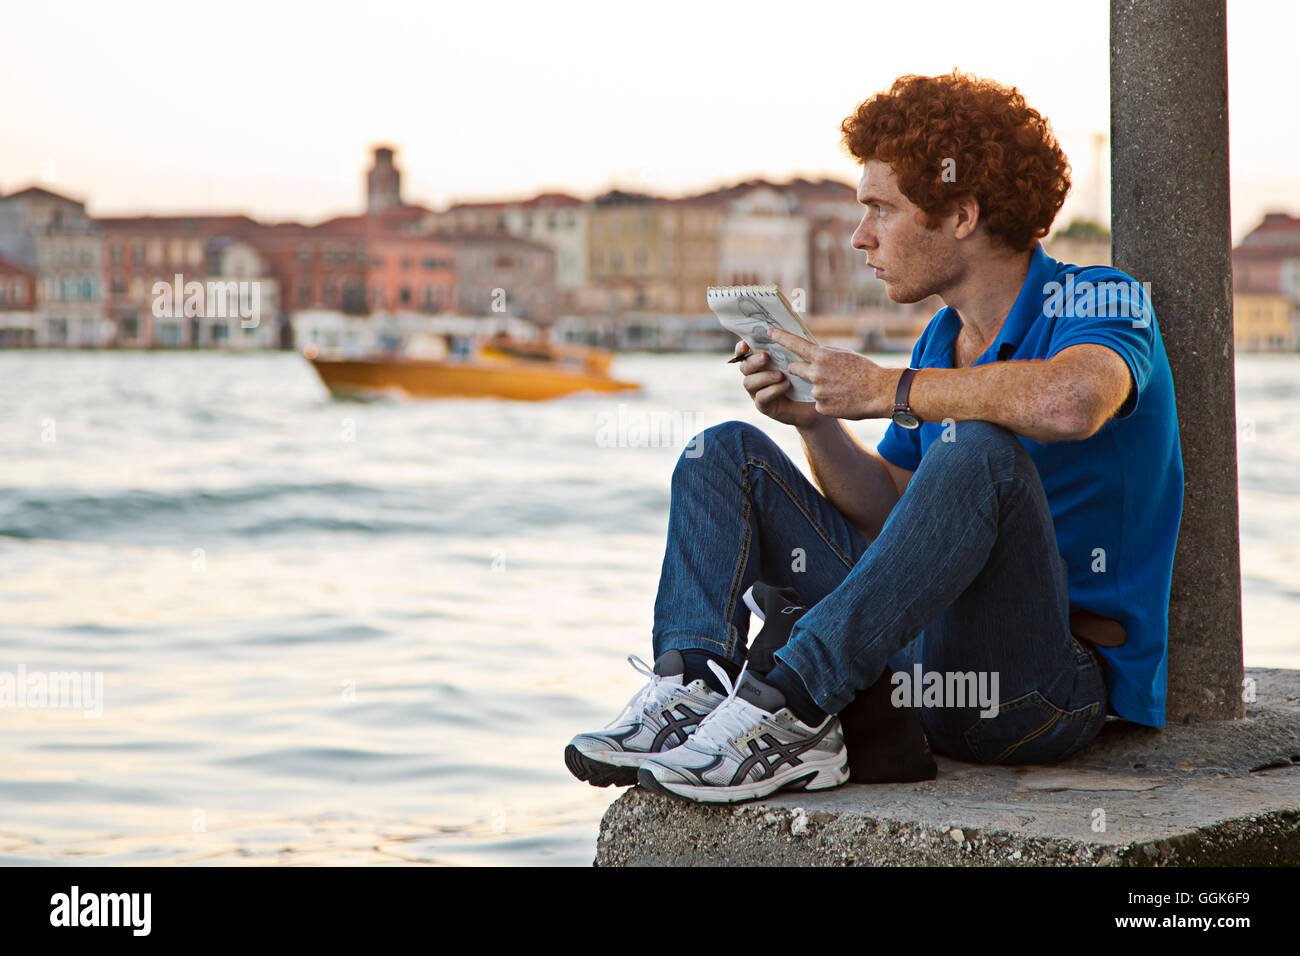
749,746
660,716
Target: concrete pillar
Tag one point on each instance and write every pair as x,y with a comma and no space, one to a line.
1170,227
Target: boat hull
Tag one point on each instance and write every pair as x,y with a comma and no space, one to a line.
524,381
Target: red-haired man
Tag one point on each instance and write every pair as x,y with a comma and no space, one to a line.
1012,532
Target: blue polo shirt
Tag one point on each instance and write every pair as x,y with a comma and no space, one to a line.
1117,497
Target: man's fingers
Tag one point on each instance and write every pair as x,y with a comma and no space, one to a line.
759,380
796,344
764,395
741,347
802,369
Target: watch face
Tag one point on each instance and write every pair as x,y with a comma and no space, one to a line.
906,420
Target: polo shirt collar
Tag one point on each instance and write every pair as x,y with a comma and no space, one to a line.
1025,311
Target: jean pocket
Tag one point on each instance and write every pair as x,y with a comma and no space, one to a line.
1029,729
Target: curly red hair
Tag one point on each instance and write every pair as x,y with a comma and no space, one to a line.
1002,152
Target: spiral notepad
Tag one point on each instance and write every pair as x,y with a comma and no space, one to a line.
748,310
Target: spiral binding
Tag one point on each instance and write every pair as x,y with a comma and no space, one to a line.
735,291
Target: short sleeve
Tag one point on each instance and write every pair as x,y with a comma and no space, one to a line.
1116,313
901,447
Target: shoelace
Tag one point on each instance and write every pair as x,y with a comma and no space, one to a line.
652,691
731,718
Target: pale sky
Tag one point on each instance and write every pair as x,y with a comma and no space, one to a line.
270,108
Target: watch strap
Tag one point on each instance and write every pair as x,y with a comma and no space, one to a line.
904,391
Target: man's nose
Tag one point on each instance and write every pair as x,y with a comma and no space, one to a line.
863,238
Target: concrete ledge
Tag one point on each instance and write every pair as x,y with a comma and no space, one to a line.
1215,793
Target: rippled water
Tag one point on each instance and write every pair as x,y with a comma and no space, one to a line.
343,632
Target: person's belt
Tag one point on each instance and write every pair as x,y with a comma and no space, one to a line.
1095,629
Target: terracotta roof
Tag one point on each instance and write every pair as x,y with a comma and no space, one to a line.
828,188
477,205
1279,221
1277,235
552,200
178,225
38,191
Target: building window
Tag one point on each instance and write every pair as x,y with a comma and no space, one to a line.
406,295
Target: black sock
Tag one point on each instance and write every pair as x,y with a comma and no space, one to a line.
697,668
797,698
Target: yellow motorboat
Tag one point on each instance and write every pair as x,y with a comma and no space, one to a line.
496,367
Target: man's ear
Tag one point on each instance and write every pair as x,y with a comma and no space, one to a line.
966,213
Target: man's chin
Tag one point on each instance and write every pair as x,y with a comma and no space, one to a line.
901,295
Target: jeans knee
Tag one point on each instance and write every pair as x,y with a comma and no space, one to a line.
976,441
731,437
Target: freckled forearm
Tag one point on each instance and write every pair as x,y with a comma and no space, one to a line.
851,477
1028,398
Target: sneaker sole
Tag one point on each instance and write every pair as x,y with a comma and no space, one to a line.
596,773
810,778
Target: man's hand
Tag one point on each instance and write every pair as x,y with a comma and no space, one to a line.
767,386
844,383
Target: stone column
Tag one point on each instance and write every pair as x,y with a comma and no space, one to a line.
1170,227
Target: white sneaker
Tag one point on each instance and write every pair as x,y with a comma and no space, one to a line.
749,746
660,716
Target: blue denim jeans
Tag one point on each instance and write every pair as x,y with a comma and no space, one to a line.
964,577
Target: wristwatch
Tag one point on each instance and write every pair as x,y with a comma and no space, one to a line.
903,416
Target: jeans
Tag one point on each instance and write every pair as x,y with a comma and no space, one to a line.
964,578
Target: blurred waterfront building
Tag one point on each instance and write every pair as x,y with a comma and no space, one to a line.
17,304
503,275
647,254
763,241
559,221
1266,286
1262,320
52,236
383,182
144,254
1269,257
